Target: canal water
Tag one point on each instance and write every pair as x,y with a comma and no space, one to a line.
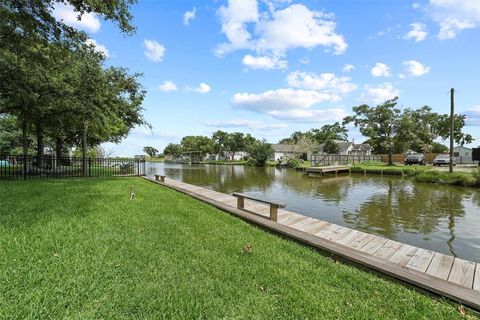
440,218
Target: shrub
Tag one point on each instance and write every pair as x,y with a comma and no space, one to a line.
260,152
294,162
476,176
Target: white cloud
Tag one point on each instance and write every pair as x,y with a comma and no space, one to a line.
189,16
401,76
234,18
418,32
380,70
453,16
86,22
416,6
154,50
98,47
310,115
202,88
473,116
348,67
238,123
264,62
415,68
325,82
289,104
378,94
298,27
168,86
276,31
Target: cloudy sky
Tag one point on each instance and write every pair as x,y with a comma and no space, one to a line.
271,67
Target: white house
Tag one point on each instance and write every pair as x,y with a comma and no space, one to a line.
286,151
282,151
462,154
461,151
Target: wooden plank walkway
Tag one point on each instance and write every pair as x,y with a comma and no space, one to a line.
445,275
327,169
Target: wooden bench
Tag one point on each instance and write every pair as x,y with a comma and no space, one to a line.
273,205
160,178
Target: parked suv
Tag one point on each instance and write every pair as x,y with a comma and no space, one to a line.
443,159
415,158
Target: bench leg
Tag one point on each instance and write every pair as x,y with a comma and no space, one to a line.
273,213
240,203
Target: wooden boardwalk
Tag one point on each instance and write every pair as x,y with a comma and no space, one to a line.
442,274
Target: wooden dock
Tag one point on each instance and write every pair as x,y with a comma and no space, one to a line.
447,276
327,169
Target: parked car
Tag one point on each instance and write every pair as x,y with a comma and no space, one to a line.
443,159
415,158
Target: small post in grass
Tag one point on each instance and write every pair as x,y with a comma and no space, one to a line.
132,192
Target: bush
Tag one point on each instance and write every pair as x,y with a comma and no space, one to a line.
476,176
294,162
260,152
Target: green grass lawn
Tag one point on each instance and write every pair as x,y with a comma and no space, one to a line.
80,249
422,174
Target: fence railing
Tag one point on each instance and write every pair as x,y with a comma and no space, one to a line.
33,167
334,159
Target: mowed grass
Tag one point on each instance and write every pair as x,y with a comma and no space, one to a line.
80,249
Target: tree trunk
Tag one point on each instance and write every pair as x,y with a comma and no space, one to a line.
84,149
24,145
59,148
390,156
24,136
40,145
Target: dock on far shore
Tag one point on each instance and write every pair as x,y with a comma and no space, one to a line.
327,169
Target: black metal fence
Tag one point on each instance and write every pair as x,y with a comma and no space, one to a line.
334,159
32,167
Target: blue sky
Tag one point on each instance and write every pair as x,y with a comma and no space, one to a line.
273,67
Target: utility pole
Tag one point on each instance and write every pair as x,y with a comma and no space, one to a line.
452,127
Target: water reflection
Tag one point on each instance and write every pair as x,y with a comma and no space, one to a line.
440,218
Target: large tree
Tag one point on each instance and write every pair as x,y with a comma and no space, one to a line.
329,132
150,151
200,144
379,124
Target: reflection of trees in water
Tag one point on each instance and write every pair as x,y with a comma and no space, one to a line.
331,189
228,178
408,207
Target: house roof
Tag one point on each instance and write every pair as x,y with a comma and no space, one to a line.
283,147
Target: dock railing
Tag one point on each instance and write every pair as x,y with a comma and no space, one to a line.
273,205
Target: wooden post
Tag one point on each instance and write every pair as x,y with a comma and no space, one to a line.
273,212
240,202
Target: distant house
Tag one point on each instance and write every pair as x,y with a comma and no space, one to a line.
462,154
345,148
239,155
461,151
282,151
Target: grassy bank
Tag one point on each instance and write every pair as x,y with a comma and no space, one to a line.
222,162
422,174
380,168
81,249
